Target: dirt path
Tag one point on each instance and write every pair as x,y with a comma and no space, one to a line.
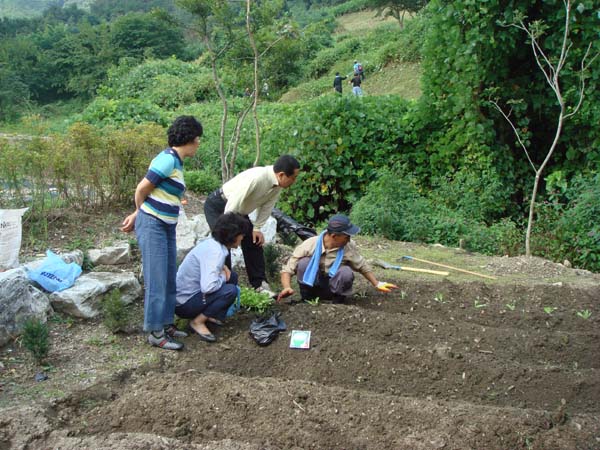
436,365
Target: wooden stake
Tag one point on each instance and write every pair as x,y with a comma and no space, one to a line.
448,267
385,265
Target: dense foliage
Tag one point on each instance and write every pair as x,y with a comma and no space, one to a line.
440,169
341,143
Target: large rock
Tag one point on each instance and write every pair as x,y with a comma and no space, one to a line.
269,229
189,232
84,297
19,301
113,255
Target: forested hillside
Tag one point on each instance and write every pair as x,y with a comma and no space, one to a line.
30,8
434,161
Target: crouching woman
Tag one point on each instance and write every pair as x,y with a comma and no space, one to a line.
205,285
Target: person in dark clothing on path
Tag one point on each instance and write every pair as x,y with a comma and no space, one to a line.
337,82
356,82
257,189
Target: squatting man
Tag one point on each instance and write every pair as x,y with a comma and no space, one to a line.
325,265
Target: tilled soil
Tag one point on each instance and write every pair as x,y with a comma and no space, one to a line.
435,365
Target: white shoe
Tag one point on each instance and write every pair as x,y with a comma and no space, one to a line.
264,288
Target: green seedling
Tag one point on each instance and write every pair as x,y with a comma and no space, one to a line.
403,295
439,297
511,306
255,301
314,302
584,314
479,305
36,339
549,309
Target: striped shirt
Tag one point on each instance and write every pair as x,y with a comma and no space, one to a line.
166,173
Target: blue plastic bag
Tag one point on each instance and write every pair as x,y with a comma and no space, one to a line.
236,305
54,274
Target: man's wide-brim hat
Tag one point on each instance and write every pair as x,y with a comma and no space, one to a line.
341,224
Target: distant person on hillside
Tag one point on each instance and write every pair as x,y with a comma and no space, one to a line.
356,82
358,68
157,202
337,83
325,265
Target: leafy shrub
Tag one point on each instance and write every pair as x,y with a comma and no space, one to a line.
168,83
580,227
504,237
103,111
85,168
272,266
478,194
115,314
395,208
35,338
201,181
341,143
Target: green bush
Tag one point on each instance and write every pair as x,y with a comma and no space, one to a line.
202,181
504,237
341,144
479,194
87,167
35,338
395,207
115,314
168,83
272,264
580,226
103,111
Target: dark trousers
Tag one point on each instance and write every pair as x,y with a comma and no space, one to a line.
214,305
254,257
325,287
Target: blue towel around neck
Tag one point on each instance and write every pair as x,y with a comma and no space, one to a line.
310,274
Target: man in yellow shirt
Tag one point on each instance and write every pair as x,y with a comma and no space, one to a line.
325,264
257,189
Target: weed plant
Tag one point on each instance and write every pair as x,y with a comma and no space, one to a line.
272,256
35,338
116,314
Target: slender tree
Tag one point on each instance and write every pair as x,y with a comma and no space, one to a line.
551,67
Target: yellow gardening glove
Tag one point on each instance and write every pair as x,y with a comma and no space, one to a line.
382,286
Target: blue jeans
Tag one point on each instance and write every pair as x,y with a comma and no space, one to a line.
214,305
156,240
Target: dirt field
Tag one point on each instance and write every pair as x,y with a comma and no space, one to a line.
393,373
450,363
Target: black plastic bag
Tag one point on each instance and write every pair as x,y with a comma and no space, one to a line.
264,330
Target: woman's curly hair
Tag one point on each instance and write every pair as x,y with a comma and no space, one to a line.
229,226
183,131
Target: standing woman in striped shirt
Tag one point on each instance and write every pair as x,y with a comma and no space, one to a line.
157,202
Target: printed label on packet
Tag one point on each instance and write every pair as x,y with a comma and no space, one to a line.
300,339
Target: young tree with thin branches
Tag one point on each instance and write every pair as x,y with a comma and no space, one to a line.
551,66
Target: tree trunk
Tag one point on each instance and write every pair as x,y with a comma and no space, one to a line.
256,91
